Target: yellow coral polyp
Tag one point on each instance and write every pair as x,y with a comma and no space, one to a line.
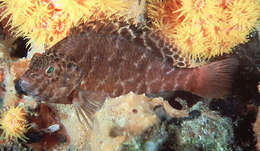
244,14
203,29
187,36
13,123
77,9
162,13
195,10
48,21
111,6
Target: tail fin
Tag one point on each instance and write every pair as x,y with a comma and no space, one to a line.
87,104
214,80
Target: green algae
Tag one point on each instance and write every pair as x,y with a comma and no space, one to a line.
207,132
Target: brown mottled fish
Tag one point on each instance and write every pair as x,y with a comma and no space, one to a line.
114,58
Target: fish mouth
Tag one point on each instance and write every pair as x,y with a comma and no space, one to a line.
23,87
19,89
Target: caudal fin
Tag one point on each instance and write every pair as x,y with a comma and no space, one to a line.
214,80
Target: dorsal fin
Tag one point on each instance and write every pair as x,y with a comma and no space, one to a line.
139,34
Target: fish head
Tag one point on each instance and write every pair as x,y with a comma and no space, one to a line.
50,76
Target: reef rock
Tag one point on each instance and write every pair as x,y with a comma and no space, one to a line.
120,119
137,123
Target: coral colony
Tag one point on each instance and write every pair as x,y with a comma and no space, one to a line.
201,29
48,21
204,29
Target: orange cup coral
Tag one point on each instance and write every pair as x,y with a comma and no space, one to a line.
203,29
49,21
13,123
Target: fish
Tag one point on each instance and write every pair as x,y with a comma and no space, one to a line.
107,57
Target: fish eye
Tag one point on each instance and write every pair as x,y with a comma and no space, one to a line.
50,69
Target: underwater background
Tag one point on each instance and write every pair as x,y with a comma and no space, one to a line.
130,75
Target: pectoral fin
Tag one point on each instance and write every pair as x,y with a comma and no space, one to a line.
87,104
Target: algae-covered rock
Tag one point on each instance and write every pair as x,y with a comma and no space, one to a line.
207,132
202,130
137,123
153,139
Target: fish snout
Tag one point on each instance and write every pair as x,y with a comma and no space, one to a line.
20,86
